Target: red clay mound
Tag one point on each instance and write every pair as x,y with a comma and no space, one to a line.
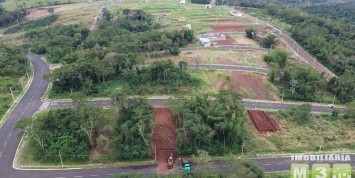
164,138
262,122
233,28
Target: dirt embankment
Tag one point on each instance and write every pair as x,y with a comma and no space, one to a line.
263,122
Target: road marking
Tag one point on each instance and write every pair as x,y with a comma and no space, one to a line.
5,143
266,164
109,174
78,176
94,175
0,154
60,177
10,133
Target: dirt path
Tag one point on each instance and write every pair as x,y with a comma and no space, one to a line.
164,139
262,122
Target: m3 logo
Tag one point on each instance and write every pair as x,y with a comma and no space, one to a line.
321,171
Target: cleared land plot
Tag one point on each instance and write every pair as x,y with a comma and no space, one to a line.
262,122
13,4
78,13
250,85
168,13
164,138
235,28
226,57
242,40
337,134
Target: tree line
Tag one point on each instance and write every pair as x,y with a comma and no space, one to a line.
113,51
10,17
13,64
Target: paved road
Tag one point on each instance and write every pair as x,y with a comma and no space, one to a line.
249,104
234,47
284,164
298,49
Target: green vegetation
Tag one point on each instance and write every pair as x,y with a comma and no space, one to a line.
297,83
195,14
13,64
15,4
331,42
134,127
33,24
66,134
8,18
113,52
343,12
201,1
251,33
269,41
216,126
303,131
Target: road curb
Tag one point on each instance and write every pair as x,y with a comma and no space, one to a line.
14,104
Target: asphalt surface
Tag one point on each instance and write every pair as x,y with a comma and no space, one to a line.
249,104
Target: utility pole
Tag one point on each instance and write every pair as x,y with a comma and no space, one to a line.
321,144
242,150
333,99
61,161
22,83
283,93
13,97
27,74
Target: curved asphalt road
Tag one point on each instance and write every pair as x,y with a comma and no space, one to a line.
31,102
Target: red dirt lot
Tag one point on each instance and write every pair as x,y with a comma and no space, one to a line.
250,85
228,20
233,28
262,122
228,41
164,138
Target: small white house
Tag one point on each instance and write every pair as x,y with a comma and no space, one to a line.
208,6
205,42
187,26
182,2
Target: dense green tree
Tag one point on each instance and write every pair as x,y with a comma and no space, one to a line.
133,128
269,41
216,126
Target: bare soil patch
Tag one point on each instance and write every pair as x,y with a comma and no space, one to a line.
228,20
248,84
263,122
164,139
41,12
234,28
225,57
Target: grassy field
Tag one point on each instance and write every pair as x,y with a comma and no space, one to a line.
15,4
108,88
336,133
218,56
195,14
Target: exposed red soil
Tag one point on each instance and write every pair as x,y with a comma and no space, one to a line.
251,85
233,28
40,12
228,41
262,122
164,139
227,20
